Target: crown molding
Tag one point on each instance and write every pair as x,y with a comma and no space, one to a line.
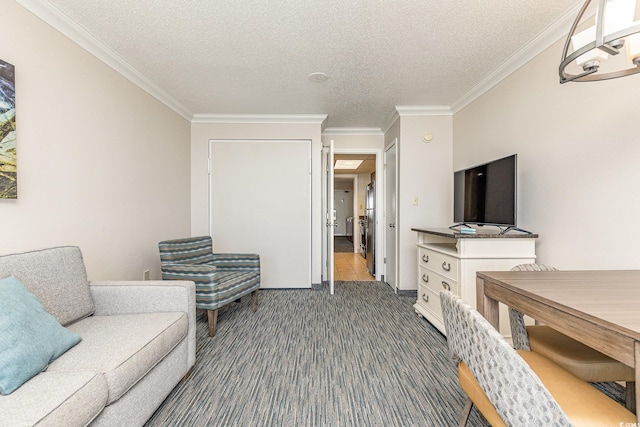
550,35
353,131
56,19
315,119
423,110
414,111
390,121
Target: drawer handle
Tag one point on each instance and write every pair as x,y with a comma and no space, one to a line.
425,258
446,286
446,266
425,278
425,297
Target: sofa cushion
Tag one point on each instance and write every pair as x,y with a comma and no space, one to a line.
55,399
30,337
123,347
57,277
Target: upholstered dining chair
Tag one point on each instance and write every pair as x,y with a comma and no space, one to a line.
219,278
577,358
519,388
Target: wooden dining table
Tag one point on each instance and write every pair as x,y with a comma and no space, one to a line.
599,308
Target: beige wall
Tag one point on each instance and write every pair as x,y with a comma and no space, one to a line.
425,172
578,159
201,133
101,164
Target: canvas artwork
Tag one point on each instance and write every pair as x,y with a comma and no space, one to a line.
8,165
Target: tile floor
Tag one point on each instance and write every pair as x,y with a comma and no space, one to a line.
350,266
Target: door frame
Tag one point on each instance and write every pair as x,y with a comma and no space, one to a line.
379,199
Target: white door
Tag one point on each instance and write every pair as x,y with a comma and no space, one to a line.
260,202
328,213
390,215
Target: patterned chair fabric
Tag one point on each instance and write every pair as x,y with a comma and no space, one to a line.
219,278
516,319
516,392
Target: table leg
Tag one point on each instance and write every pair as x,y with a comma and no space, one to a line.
488,307
637,368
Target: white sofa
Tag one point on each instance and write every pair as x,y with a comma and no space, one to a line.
138,342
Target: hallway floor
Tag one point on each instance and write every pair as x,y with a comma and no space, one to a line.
350,266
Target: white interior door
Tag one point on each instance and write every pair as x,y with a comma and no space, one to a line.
390,200
328,212
260,202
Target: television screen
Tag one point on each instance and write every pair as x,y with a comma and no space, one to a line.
486,194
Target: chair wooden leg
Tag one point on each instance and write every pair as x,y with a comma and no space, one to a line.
254,300
212,316
465,413
630,396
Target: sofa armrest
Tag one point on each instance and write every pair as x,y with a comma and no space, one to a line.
150,296
237,261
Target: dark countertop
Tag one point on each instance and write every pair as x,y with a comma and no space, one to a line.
481,233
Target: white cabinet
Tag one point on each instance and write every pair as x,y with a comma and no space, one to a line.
449,260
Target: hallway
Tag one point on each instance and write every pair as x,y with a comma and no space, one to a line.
350,266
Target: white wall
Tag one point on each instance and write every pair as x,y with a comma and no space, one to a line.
201,133
578,159
424,171
101,164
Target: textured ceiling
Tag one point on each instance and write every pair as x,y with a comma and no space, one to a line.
255,56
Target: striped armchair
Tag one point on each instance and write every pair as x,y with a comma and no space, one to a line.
219,278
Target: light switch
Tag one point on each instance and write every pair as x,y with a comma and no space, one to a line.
414,201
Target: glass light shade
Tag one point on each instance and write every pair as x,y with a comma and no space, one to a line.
618,15
583,38
633,47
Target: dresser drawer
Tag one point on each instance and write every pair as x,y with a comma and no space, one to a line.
440,263
430,301
437,282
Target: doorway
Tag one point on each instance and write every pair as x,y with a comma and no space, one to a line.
353,172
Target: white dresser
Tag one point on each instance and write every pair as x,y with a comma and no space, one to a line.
449,260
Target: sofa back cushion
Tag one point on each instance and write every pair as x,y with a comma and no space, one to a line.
57,277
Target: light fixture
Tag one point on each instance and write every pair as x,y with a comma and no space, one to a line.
347,164
615,28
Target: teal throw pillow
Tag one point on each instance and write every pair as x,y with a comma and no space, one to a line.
30,338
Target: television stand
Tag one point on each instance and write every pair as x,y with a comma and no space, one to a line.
503,229
510,228
448,260
460,224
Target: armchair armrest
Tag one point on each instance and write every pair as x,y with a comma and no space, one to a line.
130,297
199,273
236,261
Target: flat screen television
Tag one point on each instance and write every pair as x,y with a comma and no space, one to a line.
486,194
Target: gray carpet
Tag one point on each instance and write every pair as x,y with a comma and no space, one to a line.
342,244
359,358
306,358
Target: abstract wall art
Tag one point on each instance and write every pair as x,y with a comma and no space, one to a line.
8,165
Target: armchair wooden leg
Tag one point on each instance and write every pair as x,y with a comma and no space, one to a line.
212,316
630,395
254,300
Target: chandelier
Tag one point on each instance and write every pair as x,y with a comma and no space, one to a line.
604,49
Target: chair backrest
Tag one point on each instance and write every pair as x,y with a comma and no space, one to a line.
191,250
513,388
516,319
